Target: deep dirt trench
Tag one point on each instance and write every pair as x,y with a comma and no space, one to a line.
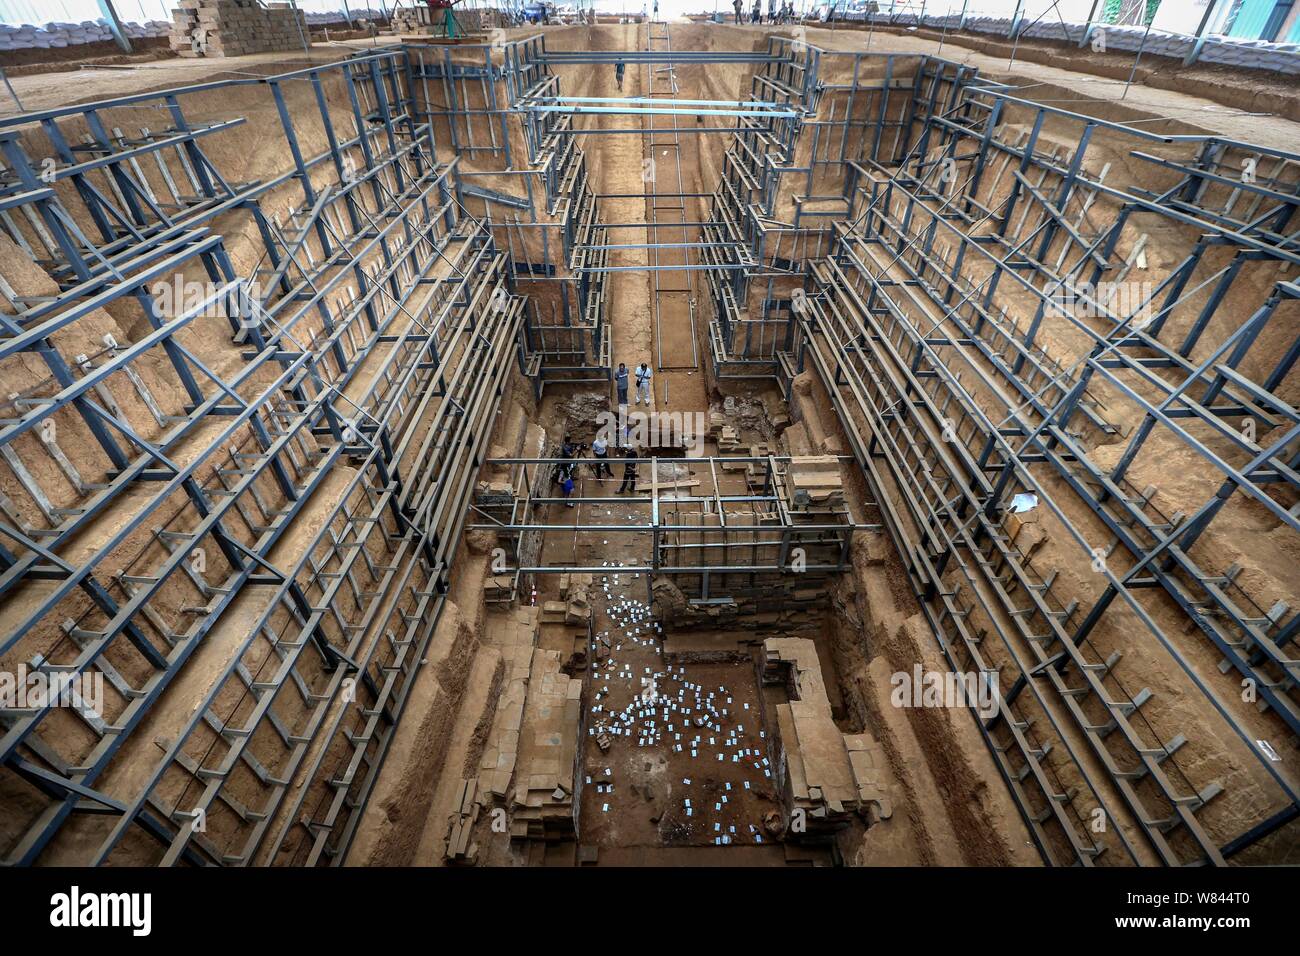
950,805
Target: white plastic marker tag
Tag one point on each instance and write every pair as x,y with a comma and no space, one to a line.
1025,501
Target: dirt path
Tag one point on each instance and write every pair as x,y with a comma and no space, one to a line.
678,340
616,169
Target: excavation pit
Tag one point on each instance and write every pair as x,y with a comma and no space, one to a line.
961,375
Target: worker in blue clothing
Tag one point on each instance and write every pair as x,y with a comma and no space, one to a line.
620,383
564,470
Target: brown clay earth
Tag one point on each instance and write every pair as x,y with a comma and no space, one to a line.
688,761
647,806
659,770
104,53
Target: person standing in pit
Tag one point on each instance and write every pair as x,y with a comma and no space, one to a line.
629,471
564,470
618,74
600,452
643,384
620,383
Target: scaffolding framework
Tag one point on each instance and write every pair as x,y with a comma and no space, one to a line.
944,227
963,245
375,332
997,311
724,529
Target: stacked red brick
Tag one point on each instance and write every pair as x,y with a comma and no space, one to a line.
235,28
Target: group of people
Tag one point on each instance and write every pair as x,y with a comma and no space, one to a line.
571,452
776,12
642,383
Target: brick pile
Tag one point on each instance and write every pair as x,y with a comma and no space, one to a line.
235,28
415,21
574,608
470,801
813,485
421,21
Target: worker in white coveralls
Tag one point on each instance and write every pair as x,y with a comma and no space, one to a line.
642,383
